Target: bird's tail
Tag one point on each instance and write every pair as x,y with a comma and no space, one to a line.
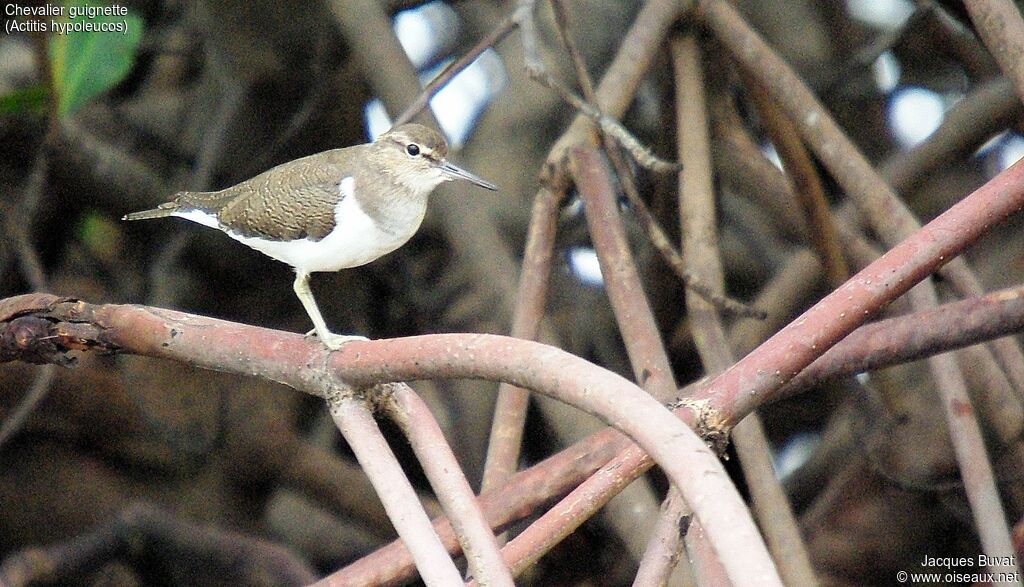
161,211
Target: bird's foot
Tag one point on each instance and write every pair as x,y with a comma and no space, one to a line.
334,341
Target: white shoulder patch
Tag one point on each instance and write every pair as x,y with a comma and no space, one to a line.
347,187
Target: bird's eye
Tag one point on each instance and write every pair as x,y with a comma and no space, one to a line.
413,149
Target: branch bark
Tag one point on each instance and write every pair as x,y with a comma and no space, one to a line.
304,365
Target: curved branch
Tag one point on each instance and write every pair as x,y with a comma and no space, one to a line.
910,337
23,336
290,359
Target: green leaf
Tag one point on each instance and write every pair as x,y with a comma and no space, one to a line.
87,61
22,100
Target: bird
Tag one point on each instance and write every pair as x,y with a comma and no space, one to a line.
330,211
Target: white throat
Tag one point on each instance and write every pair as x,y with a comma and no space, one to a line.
419,181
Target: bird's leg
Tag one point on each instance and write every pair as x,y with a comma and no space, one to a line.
328,338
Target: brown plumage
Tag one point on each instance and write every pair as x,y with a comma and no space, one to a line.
337,209
296,199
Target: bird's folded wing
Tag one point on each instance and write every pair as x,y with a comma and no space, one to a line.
281,204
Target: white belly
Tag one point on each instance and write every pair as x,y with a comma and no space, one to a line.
356,239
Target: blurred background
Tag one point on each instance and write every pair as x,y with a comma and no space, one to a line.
201,95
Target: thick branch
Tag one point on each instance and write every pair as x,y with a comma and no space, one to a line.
294,361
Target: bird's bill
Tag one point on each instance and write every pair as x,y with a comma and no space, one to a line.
456,172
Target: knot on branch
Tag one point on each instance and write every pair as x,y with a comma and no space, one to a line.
380,397
709,423
30,339
41,328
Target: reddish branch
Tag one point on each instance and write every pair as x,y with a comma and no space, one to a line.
622,280
26,323
869,290
636,323
919,335
757,377
302,364
613,95
418,425
892,221
874,346
356,423
695,194
519,497
888,215
506,438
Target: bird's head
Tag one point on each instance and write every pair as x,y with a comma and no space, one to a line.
416,157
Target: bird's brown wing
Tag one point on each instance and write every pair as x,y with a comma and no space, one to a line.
292,201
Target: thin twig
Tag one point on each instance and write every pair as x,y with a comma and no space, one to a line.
579,65
647,220
455,68
663,245
614,93
608,125
806,184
